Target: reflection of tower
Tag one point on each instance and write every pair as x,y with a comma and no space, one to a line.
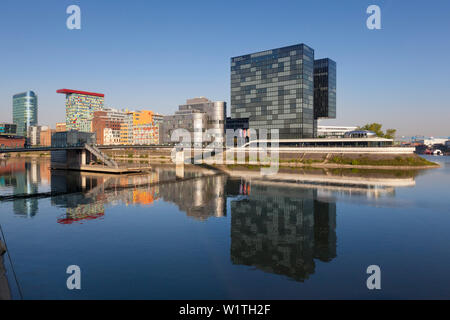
281,230
219,201
324,230
200,197
34,174
24,185
83,199
198,192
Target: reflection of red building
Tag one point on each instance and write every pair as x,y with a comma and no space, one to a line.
12,142
44,170
83,212
69,220
11,167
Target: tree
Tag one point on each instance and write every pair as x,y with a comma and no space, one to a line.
390,133
376,127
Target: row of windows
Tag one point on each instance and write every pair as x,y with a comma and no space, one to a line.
273,82
272,65
292,69
270,57
273,95
294,60
248,90
237,104
269,89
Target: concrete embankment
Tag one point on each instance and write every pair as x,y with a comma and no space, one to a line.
315,160
5,293
384,161
351,161
35,154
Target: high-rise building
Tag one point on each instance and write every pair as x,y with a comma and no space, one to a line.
198,116
126,129
107,125
80,108
324,88
140,128
274,89
145,127
25,106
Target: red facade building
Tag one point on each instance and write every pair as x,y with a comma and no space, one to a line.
11,142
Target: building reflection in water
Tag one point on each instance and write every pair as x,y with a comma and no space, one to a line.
200,196
81,201
22,177
86,195
281,229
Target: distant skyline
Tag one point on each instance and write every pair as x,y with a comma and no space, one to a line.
154,55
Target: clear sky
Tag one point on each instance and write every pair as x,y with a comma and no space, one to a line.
145,54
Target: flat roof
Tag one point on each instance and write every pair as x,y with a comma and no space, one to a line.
86,93
262,52
335,127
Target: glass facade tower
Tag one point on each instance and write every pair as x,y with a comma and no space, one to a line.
324,88
25,111
275,90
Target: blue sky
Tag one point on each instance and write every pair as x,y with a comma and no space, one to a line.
156,54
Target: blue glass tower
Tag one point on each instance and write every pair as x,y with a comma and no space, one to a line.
25,111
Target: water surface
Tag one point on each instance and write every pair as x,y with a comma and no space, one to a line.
210,236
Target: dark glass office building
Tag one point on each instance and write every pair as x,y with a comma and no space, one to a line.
324,88
275,90
236,123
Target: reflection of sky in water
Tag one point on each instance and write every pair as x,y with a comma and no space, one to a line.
209,236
